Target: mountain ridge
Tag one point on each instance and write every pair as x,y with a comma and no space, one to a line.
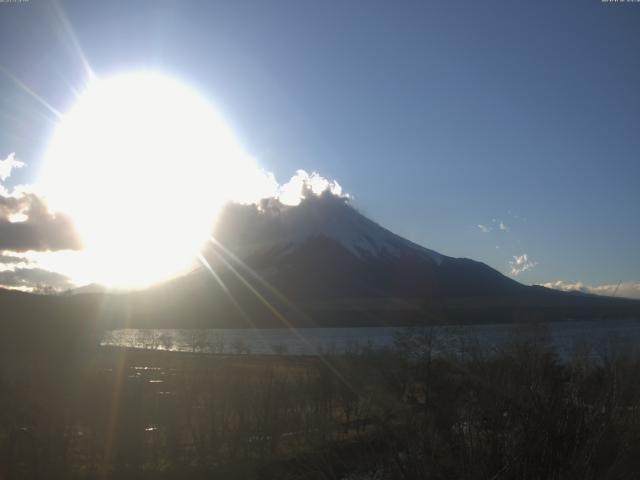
318,264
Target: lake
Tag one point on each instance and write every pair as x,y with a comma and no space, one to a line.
603,337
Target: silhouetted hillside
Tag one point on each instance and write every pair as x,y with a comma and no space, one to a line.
318,264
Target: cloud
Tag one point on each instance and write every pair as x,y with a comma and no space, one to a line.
624,289
259,185
38,228
33,279
7,258
521,264
7,165
500,226
26,222
303,184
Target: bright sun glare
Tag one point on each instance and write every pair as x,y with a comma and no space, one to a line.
142,164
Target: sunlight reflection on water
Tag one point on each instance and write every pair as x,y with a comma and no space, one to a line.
601,335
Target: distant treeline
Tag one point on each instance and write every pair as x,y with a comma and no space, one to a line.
57,321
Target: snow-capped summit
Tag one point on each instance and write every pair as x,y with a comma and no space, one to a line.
324,248
278,228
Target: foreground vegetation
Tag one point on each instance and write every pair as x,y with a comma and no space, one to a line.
402,413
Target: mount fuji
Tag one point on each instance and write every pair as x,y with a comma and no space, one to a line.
317,264
322,263
324,248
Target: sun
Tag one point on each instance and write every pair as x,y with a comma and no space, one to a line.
143,163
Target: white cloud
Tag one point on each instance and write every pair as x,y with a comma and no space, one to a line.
7,165
498,225
521,264
259,185
17,217
303,184
625,289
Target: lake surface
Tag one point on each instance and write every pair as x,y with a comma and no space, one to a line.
601,336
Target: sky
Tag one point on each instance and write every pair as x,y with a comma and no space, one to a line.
506,132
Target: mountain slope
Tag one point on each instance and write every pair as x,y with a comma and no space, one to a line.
325,248
271,225
320,263
339,268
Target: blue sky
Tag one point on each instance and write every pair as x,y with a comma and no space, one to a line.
437,117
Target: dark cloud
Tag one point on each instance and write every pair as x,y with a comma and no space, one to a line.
42,230
34,279
8,259
245,227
